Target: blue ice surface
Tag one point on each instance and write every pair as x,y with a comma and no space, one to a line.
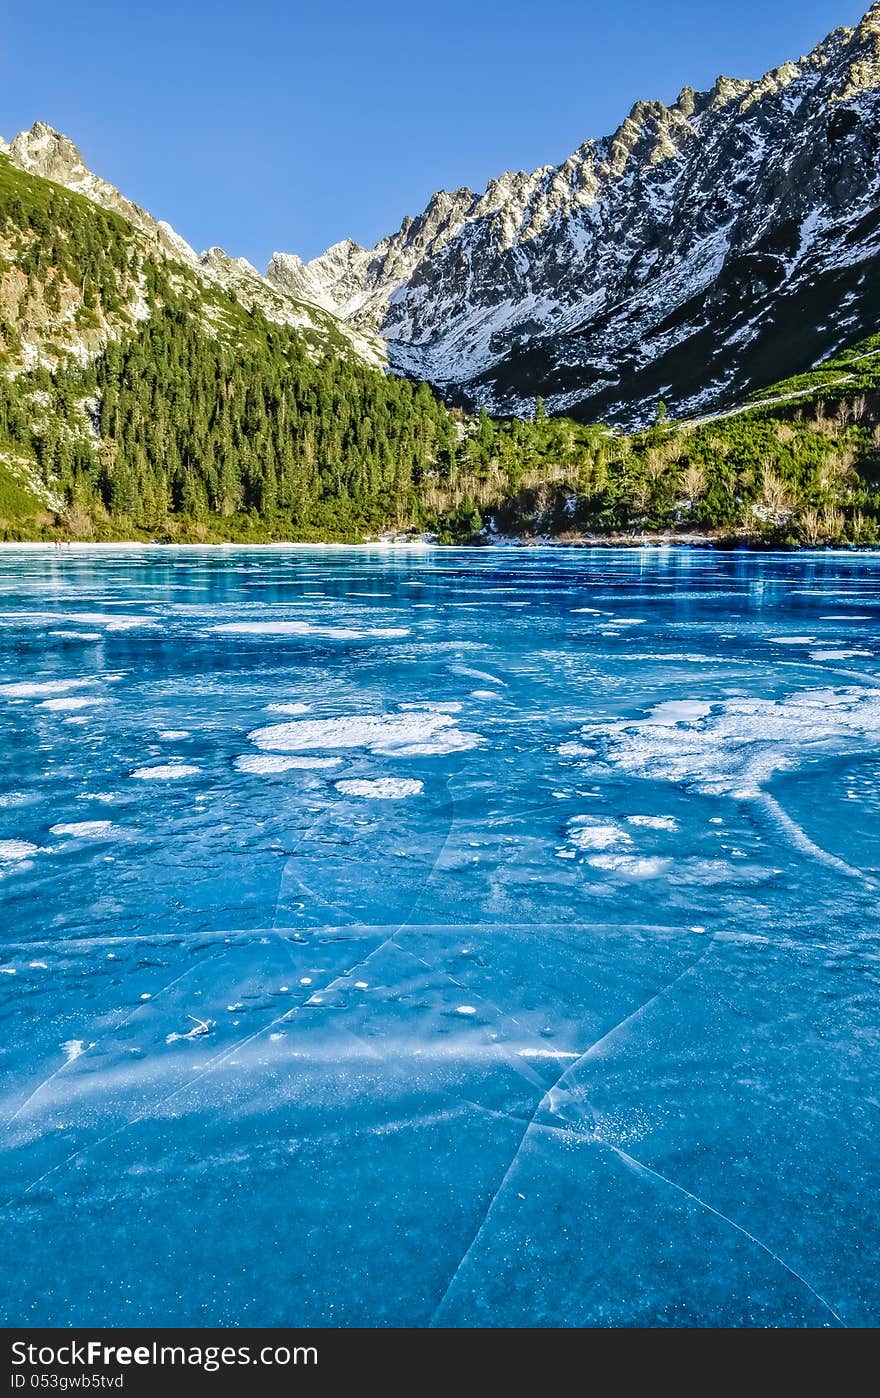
570,1021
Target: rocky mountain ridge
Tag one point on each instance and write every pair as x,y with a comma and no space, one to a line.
696,254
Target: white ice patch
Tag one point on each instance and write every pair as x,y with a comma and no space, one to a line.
306,628
488,696
735,747
680,710
84,829
73,1049
382,788
264,764
290,709
477,675
13,850
167,771
840,654
415,734
630,866
594,833
174,735
70,702
34,689
792,640
429,707
112,621
648,822
575,750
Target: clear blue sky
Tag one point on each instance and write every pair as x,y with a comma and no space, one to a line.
289,126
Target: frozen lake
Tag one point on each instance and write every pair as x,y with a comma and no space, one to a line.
439,937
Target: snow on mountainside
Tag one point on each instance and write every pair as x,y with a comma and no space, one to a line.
45,152
702,251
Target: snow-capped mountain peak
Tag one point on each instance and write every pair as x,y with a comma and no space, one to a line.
695,253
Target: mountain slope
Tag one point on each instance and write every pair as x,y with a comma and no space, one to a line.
48,154
702,251
141,397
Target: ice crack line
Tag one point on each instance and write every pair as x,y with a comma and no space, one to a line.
209,1067
121,1024
641,1168
546,1101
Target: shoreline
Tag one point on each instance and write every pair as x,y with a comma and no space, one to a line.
587,544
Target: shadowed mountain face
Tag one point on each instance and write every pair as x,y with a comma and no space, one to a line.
700,252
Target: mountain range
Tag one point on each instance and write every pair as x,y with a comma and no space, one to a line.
672,334
699,253
692,256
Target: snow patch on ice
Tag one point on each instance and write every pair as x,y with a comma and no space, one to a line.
264,764
840,654
429,707
595,833
414,734
735,746
200,1027
112,621
477,675
382,788
11,851
631,866
34,689
70,702
680,710
83,829
166,771
306,628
